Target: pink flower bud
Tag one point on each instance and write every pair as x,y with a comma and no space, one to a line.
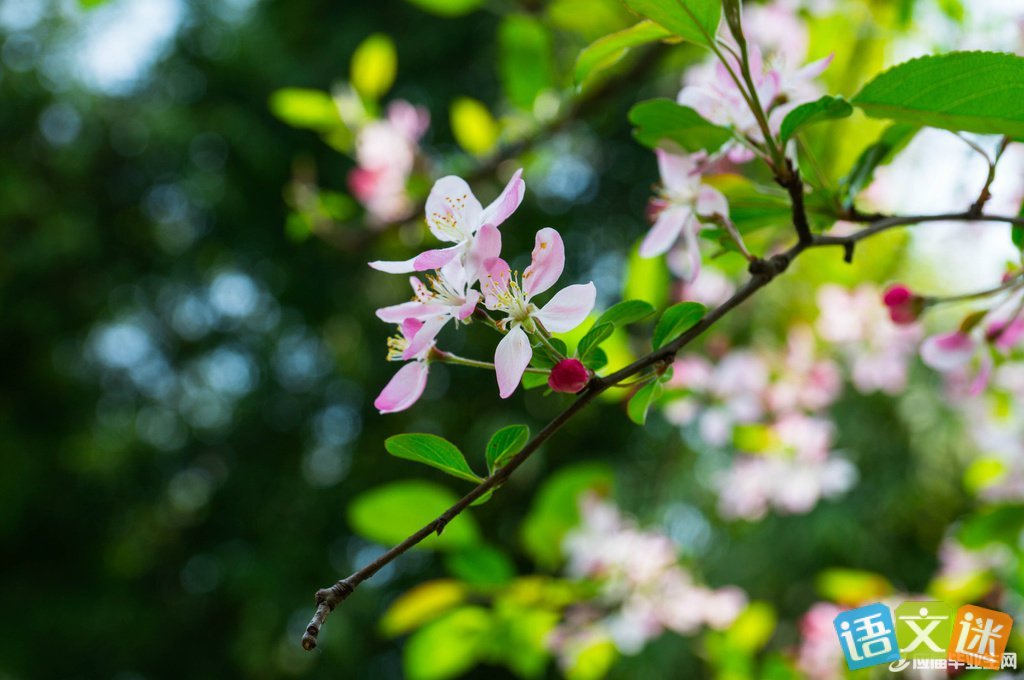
569,376
904,306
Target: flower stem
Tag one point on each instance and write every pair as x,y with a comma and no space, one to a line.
448,358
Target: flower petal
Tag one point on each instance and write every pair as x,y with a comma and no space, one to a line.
947,351
568,308
711,201
404,388
453,213
547,265
407,310
421,343
495,282
486,246
510,360
435,259
467,309
394,267
685,262
679,171
665,231
505,204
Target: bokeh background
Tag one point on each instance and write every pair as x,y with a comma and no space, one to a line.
189,357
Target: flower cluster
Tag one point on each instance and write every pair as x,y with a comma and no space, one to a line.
469,279
642,589
386,152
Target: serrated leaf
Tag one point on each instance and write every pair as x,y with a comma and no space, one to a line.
892,140
693,20
607,51
431,450
524,59
661,120
961,91
641,402
626,312
826,108
597,334
505,443
388,514
676,320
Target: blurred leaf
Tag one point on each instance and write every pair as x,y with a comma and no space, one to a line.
983,472
754,206
308,109
474,128
449,646
593,661
753,628
555,510
480,565
733,11
824,109
895,138
519,638
660,120
374,65
693,20
447,8
597,334
429,449
524,59
507,442
533,380
676,320
954,9
1000,524
960,91
851,587
91,4
607,51
625,312
424,603
390,513
647,279
641,402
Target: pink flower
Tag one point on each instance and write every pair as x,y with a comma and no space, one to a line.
904,306
448,297
948,351
454,215
569,376
504,293
407,385
683,197
1005,335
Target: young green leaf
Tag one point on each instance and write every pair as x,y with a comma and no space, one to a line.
431,450
961,91
676,320
525,59
480,565
826,108
374,66
641,401
597,334
660,120
596,359
505,443
447,8
473,126
308,109
894,138
607,51
625,312
532,380
693,20
388,514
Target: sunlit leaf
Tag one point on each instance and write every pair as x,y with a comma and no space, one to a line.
676,320
593,660
626,312
597,334
448,646
447,8
647,279
424,603
507,442
819,111
753,628
895,138
852,587
524,51
662,120
641,402
693,20
309,109
607,51
474,128
480,565
431,450
374,66
388,514
964,91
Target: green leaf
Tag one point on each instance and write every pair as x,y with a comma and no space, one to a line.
447,8
676,320
422,604
449,646
607,51
388,514
625,312
641,401
647,279
961,91
374,65
533,380
473,126
507,442
660,120
1017,234
597,334
431,450
307,109
693,20
480,565
826,108
524,59
596,359
893,139
1000,524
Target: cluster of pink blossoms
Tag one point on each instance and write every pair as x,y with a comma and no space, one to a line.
469,277
643,589
386,153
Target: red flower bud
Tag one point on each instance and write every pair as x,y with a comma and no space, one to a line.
904,306
569,376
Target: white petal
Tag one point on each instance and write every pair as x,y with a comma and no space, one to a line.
453,213
568,308
665,231
510,360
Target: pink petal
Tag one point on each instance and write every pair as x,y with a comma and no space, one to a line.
435,259
394,267
424,338
685,261
1006,335
495,281
665,231
679,171
453,213
403,389
815,68
980,381
407,310
486,246
410,327
505,204
467,309
568,308
710,201
510,360
704,102
547,265
947,351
